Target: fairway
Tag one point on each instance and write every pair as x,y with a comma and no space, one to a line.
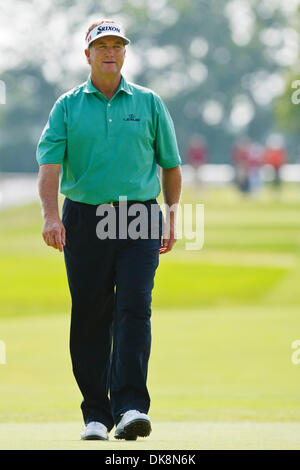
224,318
165,436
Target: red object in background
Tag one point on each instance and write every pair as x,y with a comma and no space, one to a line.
240,155
197,153
255,156
275,157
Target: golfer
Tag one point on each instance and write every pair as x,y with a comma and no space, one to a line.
108,136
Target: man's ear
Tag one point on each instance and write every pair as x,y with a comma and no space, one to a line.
87,55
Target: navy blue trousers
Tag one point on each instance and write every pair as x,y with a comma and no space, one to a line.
111,282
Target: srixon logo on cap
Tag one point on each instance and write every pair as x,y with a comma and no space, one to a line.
101,29
106,29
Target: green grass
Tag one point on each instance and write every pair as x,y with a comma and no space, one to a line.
251,247
210,364
165,436
223,321
42,284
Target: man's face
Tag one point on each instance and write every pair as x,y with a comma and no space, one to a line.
106,55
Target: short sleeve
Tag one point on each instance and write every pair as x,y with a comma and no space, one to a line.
166,149
52,144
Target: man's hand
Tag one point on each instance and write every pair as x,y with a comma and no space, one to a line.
169,240
54,232
171,184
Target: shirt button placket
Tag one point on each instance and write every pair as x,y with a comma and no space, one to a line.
109,118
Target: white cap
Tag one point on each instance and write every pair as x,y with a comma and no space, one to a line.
106,29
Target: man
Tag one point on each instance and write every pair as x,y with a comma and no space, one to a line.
109,135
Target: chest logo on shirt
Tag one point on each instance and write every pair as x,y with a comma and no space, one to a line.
131,117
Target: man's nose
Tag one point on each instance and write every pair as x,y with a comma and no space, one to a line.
109,50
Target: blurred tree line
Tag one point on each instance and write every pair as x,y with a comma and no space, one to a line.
220,66
286,107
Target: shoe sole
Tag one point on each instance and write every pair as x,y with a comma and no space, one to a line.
94,437
138,427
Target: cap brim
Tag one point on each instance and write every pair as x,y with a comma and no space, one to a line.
109,33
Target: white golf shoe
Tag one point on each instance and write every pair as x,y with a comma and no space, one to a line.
95,431
133,424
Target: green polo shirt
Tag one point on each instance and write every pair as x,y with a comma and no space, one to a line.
109,148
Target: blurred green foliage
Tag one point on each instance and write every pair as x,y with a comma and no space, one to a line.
202,57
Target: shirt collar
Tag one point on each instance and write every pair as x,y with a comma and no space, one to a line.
124,86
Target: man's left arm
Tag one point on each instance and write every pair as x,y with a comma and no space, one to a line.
171,187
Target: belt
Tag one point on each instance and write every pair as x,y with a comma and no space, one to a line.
130,203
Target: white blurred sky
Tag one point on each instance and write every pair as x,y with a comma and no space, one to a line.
35,30
34,27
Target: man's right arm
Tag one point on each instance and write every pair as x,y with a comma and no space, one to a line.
54,233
